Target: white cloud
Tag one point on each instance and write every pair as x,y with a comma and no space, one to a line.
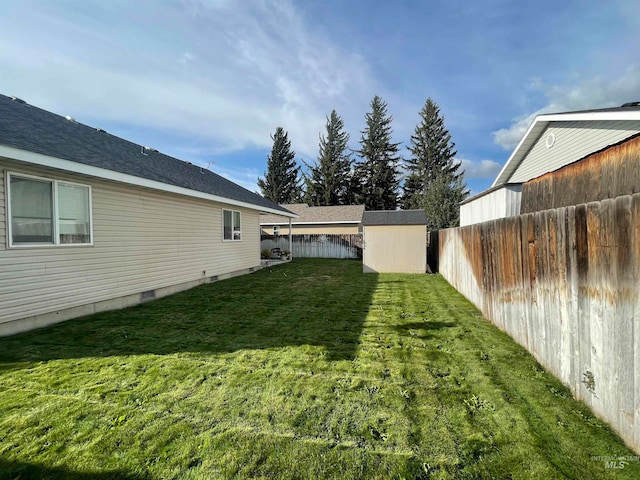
508,138
598,92
479,169
225,73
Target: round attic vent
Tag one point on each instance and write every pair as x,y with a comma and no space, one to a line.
551,140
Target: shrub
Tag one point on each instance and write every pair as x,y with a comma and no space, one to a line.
265,253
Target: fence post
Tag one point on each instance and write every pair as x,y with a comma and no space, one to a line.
290,243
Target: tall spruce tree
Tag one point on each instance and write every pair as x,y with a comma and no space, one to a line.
434,181
328,181
377,172
281,183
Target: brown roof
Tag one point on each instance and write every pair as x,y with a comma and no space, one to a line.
307,214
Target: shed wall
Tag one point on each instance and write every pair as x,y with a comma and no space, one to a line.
395,249
573,141
143,240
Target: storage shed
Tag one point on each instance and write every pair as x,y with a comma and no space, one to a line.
395,241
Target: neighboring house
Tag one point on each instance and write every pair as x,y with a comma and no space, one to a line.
339,219
395,241
550,143
92,222
609,173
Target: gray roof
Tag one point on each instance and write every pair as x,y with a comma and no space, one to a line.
29,128
394,217
307,214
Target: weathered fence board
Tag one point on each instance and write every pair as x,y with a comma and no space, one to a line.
607,174
565,284
317,245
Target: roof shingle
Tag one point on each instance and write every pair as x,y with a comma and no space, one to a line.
29,128
394,217
307,214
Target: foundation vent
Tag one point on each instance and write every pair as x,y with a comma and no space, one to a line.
148,295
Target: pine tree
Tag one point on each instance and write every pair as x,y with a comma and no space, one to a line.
328,181
441,201
434,181
281,182
377,172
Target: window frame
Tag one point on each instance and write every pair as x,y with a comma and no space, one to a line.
55,212
232,239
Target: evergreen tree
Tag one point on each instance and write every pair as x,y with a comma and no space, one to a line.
281,183
434,181
441,201
353,195
328,181
377,172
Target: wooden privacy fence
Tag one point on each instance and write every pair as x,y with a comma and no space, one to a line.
317,245
565,284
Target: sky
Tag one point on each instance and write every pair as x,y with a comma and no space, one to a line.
209,81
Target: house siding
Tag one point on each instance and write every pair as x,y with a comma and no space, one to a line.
573,141
504,202
143,240
3,224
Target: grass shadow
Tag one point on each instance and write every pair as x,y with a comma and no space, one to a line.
309,301
31,471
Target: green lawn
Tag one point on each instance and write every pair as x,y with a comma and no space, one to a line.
306,370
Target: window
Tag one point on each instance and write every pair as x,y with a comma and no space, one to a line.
48,212
231,225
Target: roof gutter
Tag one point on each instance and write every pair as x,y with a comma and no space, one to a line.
39,159
540,123
516,153
341,222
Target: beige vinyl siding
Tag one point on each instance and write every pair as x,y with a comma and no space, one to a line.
3,216
573,141
143,240
395,249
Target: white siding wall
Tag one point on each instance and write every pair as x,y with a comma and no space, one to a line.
573,140
504,202
143,240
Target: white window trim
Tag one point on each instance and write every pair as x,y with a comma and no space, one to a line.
232,212
56,221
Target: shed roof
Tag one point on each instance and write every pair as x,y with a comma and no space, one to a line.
317,215
31,129
540,123
394,217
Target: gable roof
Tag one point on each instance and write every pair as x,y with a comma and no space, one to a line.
394,217
629,111
317,215
33,135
